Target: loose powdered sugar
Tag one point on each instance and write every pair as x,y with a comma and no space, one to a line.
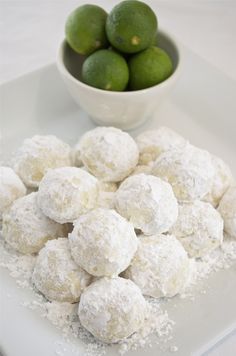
64,315
221,258
111,155
20,266
157,328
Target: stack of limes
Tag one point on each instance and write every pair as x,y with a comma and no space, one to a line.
120,46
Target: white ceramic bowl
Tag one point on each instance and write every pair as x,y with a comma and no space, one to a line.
124,110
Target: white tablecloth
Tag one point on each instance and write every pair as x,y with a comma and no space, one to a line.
30,31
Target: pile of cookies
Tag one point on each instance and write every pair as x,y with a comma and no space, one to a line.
115,219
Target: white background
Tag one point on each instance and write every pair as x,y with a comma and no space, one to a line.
30,32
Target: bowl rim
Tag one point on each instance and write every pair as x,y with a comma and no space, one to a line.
62,68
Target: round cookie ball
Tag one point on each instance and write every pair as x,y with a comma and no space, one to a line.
112,309
56,275
222,179
11,188
109,153
199,228
67,192
37,155
152,143
26,228
188,169
148,203
227,209
103,242
160,267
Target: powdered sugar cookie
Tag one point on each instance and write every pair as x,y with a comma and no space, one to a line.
147,202
26,228
161,266
152,143
37,155
199,228
188,169
103,242
112,309
56,275
66,193
222,179
108,153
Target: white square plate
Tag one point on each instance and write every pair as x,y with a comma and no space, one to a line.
202,108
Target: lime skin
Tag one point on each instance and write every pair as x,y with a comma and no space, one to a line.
85,29
148,68
131,26
107,70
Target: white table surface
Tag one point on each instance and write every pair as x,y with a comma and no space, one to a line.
30,31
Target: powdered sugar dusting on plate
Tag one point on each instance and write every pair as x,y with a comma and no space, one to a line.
221,258
157,328
19,266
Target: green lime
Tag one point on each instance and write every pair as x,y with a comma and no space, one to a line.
85,29
148,68
131,26
106,69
